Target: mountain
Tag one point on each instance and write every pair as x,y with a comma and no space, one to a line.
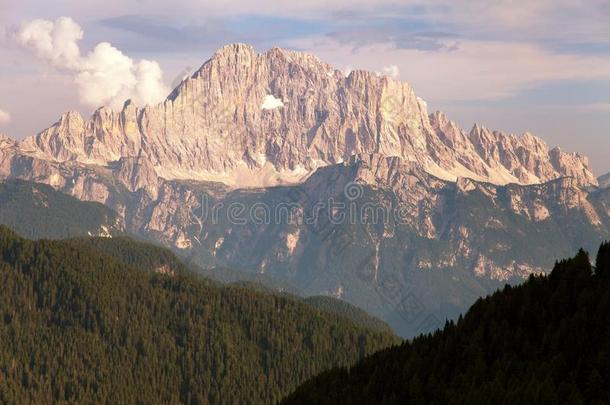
440,217
421,250
342,308
546,341
159,259
284,114
604,180
39,211
79,324
134,253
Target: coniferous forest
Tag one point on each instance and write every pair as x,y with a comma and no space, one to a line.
546,342
37,210
305,203
114,320
118,321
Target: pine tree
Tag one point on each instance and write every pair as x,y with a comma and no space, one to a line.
602,262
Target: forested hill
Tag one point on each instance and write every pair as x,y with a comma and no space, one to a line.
160,259
546,341
142,255
79,325
342,308
38,211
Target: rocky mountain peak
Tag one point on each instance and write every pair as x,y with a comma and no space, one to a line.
438,118
248,119
71,118
234,51
6,140
604,180
258,119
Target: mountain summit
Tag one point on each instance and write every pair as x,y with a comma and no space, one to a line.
258,119
444,215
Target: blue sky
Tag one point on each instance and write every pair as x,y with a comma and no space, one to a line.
542,66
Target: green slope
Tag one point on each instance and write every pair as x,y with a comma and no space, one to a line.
38,211
347,310
142,255
157,258
546,341
79,325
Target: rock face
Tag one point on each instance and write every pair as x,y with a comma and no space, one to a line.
8,149
38,211
286,113
604,180
393,209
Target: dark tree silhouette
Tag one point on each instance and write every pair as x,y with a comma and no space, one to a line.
545,341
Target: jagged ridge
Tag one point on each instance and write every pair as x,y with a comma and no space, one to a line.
321,117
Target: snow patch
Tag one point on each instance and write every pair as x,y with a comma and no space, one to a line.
499,175
241,175
271,102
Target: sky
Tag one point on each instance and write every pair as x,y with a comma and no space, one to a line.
540,66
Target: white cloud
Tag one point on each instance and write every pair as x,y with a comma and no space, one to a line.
54,41
104,76
271,102
5,117
182,75
391,70
150,81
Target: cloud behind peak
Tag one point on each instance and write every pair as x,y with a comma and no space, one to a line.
104,76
